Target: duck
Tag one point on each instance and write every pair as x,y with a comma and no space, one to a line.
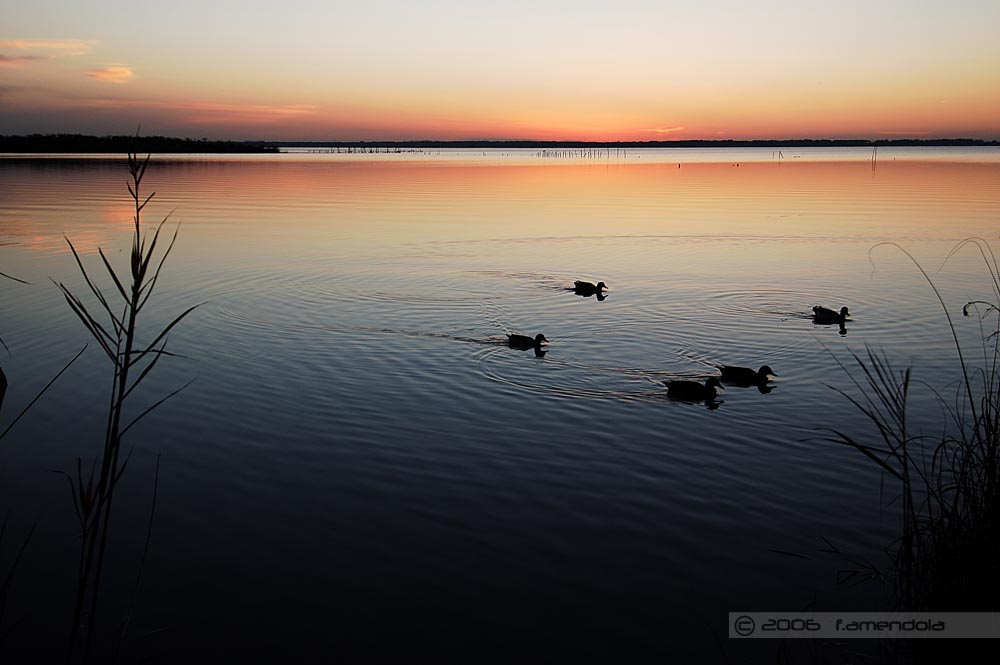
524,342
589,289
824,315
745,375
692,390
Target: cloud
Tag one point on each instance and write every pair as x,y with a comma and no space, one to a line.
52,47
206,113
252,114
15,60
112,74
665,130
905,133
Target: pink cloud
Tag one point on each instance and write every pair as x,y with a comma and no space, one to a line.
112,74
15,60
56,47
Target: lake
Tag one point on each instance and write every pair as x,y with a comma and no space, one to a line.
362,468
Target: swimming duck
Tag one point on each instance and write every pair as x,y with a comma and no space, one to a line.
745,375
824,315
525,342
692,390
589,289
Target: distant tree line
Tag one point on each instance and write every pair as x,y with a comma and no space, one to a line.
72,143
124,144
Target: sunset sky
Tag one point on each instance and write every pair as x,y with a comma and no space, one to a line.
538,69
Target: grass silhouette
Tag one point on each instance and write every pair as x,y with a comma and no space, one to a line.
946,555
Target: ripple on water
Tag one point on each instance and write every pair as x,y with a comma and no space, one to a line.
620,350
355,384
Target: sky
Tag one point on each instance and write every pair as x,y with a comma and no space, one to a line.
629,70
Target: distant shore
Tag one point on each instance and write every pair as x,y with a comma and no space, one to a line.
78,143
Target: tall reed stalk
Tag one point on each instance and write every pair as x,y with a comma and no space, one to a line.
113,321
947,556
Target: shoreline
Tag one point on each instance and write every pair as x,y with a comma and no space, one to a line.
80,144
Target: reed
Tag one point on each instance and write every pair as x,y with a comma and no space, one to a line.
946,554
112,319
3,377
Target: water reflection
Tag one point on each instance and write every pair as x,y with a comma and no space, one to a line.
841,325
601,297
392,284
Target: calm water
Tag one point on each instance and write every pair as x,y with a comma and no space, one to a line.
363,469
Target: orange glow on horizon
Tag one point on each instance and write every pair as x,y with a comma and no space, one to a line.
716,69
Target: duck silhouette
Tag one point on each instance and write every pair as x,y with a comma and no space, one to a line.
524,342
589,289
824,316
746,376
694,391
